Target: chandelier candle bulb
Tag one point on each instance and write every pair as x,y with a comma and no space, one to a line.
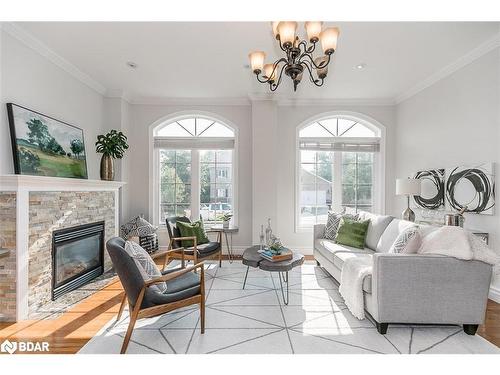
328,39
269,73
286,31
274,25
313,30
321,63
257,61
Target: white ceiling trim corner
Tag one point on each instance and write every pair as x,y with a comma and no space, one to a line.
118,94
189,101
458,64
336,102
39,47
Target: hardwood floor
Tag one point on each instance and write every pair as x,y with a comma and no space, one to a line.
70,332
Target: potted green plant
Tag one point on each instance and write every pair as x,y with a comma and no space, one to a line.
112,146
225,219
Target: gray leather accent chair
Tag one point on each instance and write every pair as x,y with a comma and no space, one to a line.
210,250
184,288
410,288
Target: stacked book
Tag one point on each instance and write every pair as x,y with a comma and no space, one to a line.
285,254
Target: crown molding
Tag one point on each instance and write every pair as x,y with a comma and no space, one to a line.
285,100
461,62
118,94
189,101
335,102
30,41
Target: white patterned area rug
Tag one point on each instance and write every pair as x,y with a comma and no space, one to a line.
256,321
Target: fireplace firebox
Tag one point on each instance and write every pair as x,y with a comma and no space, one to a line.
77,257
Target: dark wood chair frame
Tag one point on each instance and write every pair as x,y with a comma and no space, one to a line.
195,257
137,313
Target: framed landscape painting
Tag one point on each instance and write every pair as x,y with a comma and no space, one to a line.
44,146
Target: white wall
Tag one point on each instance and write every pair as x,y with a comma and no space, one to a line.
31,80
116,116
456,121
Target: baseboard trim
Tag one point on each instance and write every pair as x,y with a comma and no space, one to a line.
494,294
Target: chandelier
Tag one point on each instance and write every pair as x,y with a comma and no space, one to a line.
299,57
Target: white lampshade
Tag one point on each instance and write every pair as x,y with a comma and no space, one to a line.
408,186
257,61
328,39
286,30
313,29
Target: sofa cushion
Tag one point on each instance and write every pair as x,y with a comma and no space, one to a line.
378,224
341,256
390,234
328,248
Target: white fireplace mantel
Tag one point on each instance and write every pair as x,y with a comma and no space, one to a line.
16,182
22,185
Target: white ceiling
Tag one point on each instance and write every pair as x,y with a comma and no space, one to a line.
207,59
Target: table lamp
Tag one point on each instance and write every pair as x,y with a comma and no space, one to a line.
408,187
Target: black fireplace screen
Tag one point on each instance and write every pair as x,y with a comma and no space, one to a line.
77,257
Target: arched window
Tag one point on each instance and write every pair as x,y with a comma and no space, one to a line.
193,166
338,166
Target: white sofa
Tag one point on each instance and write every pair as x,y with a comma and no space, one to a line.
410,288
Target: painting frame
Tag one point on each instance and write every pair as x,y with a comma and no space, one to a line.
74,163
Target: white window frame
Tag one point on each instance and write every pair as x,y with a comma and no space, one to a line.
378,165
154,165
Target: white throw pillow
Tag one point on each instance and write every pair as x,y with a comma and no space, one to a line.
447,240
407,242
147,267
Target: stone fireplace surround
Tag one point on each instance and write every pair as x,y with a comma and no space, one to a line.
38,206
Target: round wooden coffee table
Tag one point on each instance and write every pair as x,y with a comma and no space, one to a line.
252,258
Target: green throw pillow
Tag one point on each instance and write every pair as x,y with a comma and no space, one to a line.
352,233
192,229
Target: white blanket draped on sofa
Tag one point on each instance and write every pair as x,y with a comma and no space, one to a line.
353,274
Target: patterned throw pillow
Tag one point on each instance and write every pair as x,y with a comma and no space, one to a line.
333,222
407,242
147,267
137,227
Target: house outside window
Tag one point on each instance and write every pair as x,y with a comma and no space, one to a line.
338,167
193,169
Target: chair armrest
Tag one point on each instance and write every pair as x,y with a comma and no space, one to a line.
174,275
165,253
319,231
193,238
419,288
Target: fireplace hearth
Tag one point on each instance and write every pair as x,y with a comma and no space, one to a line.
77,257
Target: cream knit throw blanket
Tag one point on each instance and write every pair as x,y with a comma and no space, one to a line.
354,271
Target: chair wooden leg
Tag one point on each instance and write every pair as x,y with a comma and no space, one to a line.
220,249
122,306
202,302
130,329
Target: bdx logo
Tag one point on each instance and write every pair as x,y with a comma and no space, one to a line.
23,346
